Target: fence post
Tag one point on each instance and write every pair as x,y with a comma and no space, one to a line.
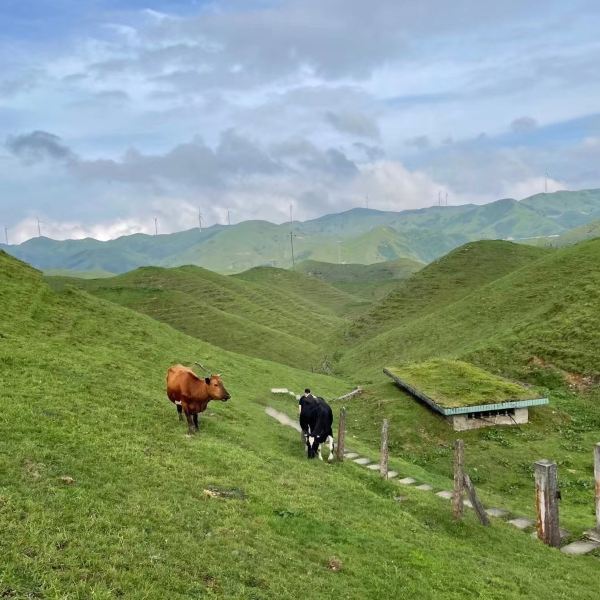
383,462
546,500
459,479
597,478
341,434
477,506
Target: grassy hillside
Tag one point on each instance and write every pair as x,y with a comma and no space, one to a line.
368,281
442,282
356,236
315,292
234,314
547,308
538,324
102,495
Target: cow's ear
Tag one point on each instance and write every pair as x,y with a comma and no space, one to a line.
207,380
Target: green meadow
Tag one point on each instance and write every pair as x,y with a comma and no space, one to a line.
103,495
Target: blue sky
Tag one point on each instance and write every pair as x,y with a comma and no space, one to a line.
114,112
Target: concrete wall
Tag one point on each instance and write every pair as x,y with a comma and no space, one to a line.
462,423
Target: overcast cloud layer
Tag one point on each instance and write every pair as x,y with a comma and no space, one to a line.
113,112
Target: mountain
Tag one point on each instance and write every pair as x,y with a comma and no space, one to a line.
356,236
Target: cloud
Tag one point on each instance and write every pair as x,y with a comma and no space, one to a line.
523,125
420,142
37,146
355,124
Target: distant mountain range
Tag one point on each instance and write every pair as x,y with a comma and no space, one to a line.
360,235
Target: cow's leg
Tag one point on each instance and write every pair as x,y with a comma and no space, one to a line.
179,410
329,443
319,452
190,422
196,421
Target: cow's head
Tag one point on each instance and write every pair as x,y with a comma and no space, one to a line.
216,389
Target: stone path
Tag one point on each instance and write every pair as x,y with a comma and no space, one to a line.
579,547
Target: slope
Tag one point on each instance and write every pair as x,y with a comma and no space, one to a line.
230,313
442,282
368,281
235,512
315,292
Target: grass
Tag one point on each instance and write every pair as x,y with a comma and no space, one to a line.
288,320
83,397
441,283
455,383
368,281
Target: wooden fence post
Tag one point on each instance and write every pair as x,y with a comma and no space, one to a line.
477,506
341,434
597,478
546,501
383,462
459,479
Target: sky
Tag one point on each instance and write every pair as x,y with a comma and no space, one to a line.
117,112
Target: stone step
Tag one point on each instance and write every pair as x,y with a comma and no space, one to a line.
373,467
392,474
424,486
496,512
407,481
351,455
362,461
580,547
592,534
468,503
521,523
445,494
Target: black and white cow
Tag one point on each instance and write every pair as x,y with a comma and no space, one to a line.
316,419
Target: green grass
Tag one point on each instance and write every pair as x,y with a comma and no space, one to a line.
441,283
83,397
369,281
455,383
276,320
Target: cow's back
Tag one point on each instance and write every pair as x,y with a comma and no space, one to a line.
178,382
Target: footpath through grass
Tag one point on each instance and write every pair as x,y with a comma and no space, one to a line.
83,398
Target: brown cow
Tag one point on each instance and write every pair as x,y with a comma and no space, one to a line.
192,394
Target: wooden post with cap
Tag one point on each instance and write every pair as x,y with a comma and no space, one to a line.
546,502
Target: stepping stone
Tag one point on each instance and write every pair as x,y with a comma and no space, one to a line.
496,512
424,486
407,481
468,503
373,467
280,391
445,494
350,455
392,474
593,535
580,547
521,523
362,461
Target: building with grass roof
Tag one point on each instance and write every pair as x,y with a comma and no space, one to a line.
467,396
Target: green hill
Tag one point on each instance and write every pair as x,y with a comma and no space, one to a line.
239,314
315,292
537,323
102,495
443,282
356,236
369,281
577,234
